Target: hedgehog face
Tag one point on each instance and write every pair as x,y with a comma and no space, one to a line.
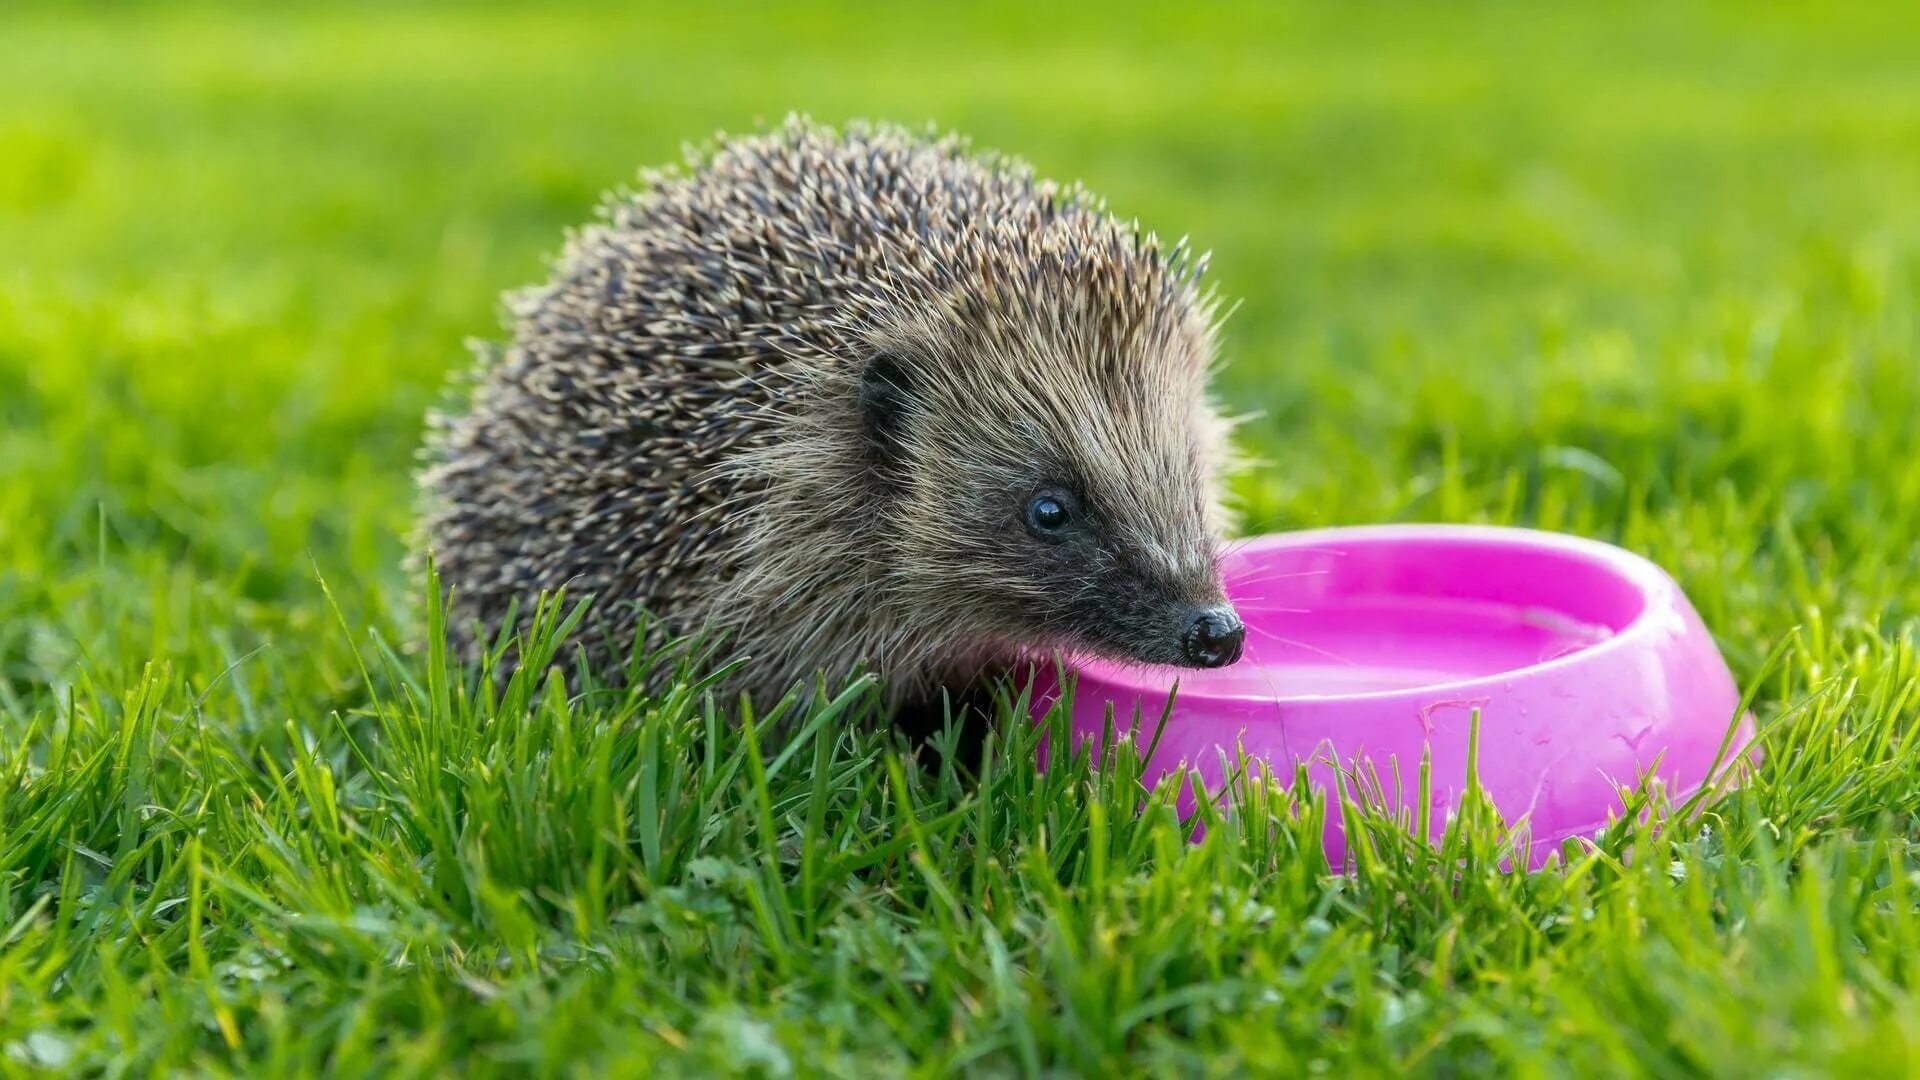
1107,578
1040,501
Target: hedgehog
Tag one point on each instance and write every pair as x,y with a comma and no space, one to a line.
855,401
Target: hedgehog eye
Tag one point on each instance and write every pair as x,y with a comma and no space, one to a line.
1047,514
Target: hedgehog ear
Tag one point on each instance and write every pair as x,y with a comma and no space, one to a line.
886,399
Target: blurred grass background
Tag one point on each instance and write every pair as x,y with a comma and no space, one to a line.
1643,272
243,248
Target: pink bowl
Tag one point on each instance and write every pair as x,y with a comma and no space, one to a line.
1373,645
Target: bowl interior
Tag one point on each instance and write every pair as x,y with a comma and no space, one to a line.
1372,613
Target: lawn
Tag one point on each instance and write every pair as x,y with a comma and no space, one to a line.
1649,275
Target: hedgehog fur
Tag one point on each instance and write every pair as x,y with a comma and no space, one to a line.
828,393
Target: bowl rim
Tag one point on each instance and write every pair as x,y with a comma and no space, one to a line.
1656,587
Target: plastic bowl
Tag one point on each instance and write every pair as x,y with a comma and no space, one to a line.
1367,647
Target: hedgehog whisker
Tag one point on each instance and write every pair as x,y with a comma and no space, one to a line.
1297,644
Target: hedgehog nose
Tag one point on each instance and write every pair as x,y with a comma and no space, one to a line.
1213,637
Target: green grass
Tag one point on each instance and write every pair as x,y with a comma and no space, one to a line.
1649,275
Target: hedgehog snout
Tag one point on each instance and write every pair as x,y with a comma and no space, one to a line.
1213,637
